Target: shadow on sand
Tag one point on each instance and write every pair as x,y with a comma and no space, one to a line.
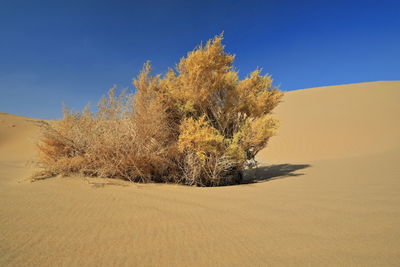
272,172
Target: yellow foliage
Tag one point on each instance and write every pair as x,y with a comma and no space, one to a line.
254,135
201,138
198,125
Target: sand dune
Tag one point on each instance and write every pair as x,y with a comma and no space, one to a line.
337,122
330,198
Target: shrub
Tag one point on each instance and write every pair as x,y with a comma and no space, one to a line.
197,125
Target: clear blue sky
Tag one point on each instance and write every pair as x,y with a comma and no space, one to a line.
72,52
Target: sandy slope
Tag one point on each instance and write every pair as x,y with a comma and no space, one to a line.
331,199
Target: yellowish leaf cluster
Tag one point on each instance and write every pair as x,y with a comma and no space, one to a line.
198,124
199,137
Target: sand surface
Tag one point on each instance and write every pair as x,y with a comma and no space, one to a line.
330,196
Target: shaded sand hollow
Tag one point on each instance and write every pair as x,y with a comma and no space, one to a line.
329,196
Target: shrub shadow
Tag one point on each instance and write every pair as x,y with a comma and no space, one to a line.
272,172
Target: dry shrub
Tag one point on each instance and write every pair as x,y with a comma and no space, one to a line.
197,125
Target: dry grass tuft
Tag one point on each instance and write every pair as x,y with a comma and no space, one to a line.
196,125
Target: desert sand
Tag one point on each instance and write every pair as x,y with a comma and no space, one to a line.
328,194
